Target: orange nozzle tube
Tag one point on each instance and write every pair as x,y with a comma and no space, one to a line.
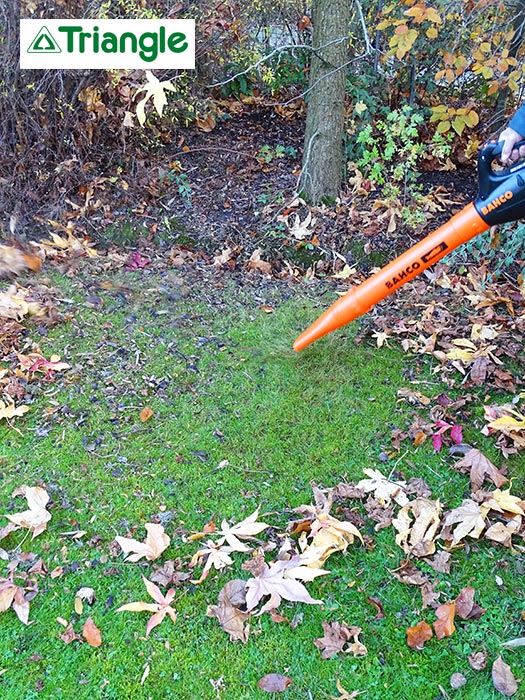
358,300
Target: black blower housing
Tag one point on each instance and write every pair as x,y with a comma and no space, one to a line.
501,193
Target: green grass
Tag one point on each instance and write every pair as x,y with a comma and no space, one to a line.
240,421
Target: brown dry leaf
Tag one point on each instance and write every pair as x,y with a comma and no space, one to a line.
13,261
272,582
416,537
429,595
255,263
440,562
418,635
13,596
91,633
35,519
469,519
345,694
410,574
231,610
444,625
152,547
146,414
466,608
457,680
339,637
160,608
480,468
69,635
503,678
477,660
274,683
502,533
506,420
169,574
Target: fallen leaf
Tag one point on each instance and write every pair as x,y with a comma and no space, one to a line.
384,489
417,538
160,608
152,547
503,678
380,614
339,637
469,519
444,625
418,635
345,694
13,261
274,683
480,468
69,635
91,633
410,574
477,660
246,529
513,643
231,610
146,414
272,583
214,555
457,680
466,608
35,519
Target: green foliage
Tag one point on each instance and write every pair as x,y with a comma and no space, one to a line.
182,183
266,153
389,151
503,251
243,84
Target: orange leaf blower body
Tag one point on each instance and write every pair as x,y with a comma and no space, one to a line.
501,198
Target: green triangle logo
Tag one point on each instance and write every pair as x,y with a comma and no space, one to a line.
44,42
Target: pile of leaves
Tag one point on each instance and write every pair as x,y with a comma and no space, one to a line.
280,565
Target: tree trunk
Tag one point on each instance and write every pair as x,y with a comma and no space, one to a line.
323,144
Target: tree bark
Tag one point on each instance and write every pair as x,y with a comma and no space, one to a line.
323,144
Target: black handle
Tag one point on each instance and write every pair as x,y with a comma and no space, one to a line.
501,193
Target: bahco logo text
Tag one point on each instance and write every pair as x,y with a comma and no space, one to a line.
107,43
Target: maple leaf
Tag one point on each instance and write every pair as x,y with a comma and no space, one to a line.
229,611
35,519
9,410
470,519
504,502
15,303
383,488
160,608
480,468
245,529
417,537
13,596
156,89
271,582
329,535
36,362
155,543
337,638
215,555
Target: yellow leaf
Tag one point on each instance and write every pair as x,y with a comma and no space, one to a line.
146,414
432,33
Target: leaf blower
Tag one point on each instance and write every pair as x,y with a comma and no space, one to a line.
501,198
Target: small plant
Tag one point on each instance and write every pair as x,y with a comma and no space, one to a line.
266,154
182,183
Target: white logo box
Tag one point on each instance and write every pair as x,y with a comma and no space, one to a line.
106,44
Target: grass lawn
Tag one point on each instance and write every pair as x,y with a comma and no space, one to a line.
239,421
